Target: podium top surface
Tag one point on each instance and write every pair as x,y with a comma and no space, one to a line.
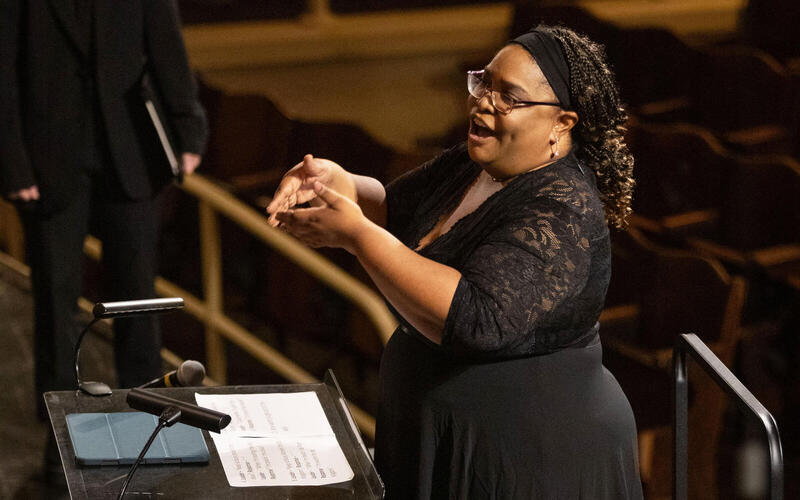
208,481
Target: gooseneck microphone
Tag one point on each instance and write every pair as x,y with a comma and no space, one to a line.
103,310
190,414
190,373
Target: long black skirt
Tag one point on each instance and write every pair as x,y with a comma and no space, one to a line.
554,426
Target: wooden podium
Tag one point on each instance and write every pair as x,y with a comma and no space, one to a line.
208,481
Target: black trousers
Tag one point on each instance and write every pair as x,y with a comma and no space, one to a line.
54,244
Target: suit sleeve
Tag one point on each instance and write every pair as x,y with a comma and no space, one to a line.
16,171
170,65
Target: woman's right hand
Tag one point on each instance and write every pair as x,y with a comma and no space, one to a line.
297,185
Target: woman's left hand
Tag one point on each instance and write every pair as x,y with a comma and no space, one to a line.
337,223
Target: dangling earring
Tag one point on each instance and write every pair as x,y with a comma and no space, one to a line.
554,154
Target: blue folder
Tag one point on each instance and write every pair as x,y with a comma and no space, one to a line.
118,438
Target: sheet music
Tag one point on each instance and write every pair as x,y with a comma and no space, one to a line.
281,439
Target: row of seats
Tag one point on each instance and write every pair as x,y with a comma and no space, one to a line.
745,96
688,184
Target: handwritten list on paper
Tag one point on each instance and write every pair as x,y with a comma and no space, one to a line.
279,439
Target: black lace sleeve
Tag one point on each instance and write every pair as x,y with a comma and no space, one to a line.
518,281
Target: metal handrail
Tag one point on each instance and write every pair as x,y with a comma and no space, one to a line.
727,381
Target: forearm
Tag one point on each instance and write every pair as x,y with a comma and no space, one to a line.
420,289
367,192
371,197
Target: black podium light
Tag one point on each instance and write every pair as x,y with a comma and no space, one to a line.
116,310
136,307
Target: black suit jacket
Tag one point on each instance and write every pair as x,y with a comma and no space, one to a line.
44,71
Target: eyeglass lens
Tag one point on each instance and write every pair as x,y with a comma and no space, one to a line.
478,88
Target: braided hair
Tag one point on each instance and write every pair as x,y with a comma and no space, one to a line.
601,122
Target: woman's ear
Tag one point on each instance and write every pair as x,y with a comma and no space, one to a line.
565,121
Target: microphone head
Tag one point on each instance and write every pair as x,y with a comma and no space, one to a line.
190,373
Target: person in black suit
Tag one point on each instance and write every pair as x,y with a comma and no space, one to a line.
74,158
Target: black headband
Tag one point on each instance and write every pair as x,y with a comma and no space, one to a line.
549,55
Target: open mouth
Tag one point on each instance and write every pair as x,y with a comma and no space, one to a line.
479,130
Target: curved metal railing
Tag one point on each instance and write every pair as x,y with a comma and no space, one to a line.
691,344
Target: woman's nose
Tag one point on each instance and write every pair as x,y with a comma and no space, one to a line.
485,102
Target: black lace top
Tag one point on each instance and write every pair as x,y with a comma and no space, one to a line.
534,257
515,404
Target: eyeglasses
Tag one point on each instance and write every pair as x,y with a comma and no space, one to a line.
503,103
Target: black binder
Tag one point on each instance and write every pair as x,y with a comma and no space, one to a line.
160,133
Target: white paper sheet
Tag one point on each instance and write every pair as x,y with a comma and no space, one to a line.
279,439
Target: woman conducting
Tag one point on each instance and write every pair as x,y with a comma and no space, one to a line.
495,256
